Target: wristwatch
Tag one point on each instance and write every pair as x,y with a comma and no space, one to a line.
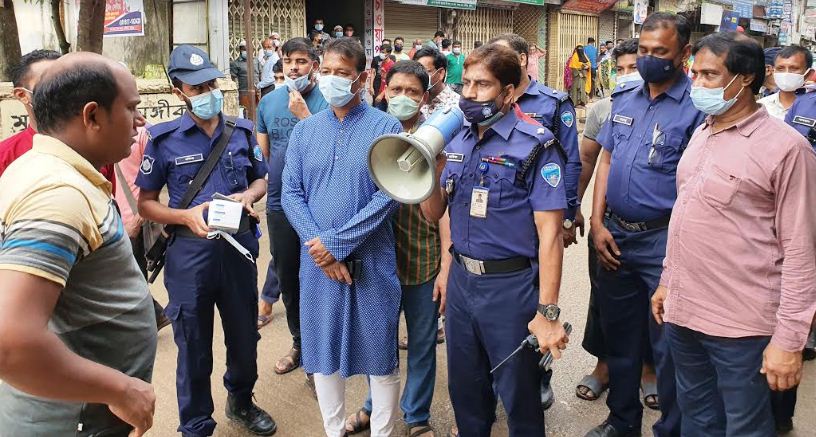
549,311
568,224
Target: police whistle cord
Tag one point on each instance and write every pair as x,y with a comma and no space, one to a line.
233,242
531,342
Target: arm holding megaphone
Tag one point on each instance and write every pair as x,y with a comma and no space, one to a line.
434,207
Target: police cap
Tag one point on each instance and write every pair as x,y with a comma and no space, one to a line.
192,66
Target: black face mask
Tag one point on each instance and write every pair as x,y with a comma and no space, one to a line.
397,48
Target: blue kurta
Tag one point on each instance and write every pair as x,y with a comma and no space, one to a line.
327,192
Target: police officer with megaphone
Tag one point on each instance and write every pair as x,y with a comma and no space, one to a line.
502,173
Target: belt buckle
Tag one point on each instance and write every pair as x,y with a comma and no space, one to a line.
632,227
472,265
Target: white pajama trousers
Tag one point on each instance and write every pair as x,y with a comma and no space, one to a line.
331,395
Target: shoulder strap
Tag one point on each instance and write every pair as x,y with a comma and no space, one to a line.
125,188
212,159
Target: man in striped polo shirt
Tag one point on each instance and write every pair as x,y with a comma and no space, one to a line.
77,328
418,258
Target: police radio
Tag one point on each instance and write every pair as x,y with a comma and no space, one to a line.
403,165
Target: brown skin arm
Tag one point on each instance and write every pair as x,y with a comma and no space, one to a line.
590,149
605,245
550,334
34,360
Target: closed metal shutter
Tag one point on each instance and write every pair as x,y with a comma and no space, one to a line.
482,24
410,22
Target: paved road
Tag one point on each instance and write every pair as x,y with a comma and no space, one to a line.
297,413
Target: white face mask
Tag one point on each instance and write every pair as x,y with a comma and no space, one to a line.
789,81
300,84
631,77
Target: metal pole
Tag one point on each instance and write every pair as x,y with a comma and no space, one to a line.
250,60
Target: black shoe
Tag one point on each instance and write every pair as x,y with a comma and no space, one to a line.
547,397
607,430
251,417
808,354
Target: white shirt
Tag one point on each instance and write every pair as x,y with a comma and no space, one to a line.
774,106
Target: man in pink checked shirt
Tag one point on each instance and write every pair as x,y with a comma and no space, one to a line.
127,169
738,290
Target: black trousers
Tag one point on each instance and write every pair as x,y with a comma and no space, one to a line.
139,253
285,249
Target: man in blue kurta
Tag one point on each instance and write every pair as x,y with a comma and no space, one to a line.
350,293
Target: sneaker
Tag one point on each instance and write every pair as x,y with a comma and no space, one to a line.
251,417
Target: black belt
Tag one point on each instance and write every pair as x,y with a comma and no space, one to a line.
480,267
184,231
648,225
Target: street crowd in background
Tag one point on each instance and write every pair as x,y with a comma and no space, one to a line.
702,240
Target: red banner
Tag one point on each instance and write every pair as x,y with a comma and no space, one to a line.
588,6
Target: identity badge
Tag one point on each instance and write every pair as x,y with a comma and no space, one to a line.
478,202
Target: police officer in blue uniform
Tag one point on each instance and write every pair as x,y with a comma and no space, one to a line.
802,116
501,173
203,273
649,127
552,109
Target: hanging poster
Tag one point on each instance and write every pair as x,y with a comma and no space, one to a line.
124,18
640,11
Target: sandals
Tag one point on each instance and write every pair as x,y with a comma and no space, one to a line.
590,388
357,424
263,320
421,431
650,397
440,338
288,362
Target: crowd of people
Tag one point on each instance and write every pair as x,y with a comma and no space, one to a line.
702,245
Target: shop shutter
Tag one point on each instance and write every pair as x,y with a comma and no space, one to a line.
410,22
287,17
482,24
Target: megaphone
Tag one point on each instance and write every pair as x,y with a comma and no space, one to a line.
403,165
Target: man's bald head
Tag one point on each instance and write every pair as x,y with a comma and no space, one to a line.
73,81
90,103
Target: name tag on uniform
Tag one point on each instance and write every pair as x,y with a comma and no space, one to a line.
622,119
456,157
804,121
532,114
478,202
189,159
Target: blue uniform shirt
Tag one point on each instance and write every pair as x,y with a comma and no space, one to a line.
277,121
550,108
802,116
646,139
178,148
509,229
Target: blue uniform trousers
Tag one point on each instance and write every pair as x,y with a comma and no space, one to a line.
486,319
624,300
200,275
721,392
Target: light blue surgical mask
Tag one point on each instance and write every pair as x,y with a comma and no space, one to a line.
338,34
626,78
299,84
402,107
269,53
336,90
208,105
711,100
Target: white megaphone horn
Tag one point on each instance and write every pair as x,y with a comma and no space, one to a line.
403,165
